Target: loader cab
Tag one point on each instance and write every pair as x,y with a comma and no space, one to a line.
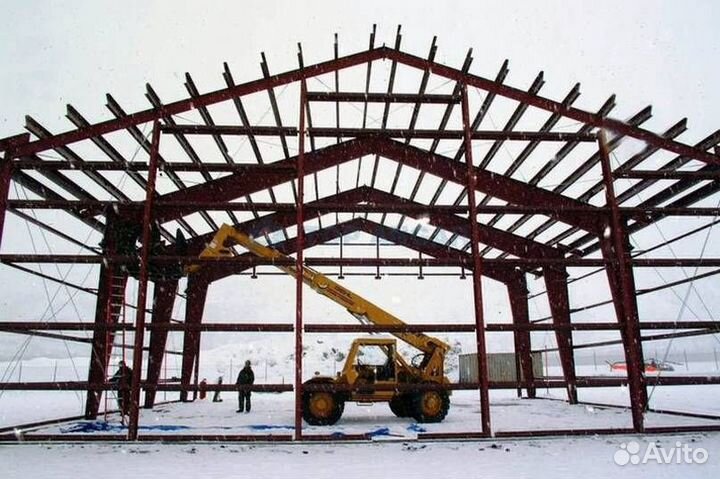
371,361
376,361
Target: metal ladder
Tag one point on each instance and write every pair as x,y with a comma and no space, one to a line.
116,315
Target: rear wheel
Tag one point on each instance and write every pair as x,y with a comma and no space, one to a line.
430,406
400,405
321,408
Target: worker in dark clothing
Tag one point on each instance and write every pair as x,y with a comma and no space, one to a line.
216,396
122,379
245,377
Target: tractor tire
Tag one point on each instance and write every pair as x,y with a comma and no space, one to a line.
321,408
400,405
430,406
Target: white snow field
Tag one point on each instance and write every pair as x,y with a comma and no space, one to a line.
392,451
556,458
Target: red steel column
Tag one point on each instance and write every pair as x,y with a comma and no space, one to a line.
299,264
557,292
197,287
97,370
6,171
163,302
142,285
103,339
477,272
517,292
629,318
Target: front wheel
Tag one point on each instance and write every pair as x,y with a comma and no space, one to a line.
400,405
321,408
430,406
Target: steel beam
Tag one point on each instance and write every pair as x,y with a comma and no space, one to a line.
23,326
299,250
231,130
499,186
197,287
142,141
413,118
517,292
237,101
105,322
358,97
444,120
624,299
483,374
147,225
436,250
72,157
425,134
6,172
616,126
514,244
233,186
373,328
117,158
9,142
357,59
205,99
556,285
497,238
163,302
240,168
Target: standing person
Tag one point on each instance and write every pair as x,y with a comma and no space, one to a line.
216,396
245,377
122,379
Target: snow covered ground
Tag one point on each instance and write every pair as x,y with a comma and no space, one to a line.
393,450
557,458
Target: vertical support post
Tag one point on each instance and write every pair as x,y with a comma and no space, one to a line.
163,302
142,285
196,375
97,370
629,318
377,256
517,292
6,171
106,314
300,244
340,274
557,293
197,287
483,377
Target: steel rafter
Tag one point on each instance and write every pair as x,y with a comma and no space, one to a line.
443,124
142,140
366,57
230,187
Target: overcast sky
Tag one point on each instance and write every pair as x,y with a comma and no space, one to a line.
647,52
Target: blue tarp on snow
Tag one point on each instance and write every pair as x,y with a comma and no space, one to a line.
102,426
414,427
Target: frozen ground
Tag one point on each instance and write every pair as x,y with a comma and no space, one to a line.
274,414
393,450
553,458
272,366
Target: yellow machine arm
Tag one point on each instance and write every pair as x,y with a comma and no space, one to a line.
362,309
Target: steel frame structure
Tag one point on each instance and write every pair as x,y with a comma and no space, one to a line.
597,220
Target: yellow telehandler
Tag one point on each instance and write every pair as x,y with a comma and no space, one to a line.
371,362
